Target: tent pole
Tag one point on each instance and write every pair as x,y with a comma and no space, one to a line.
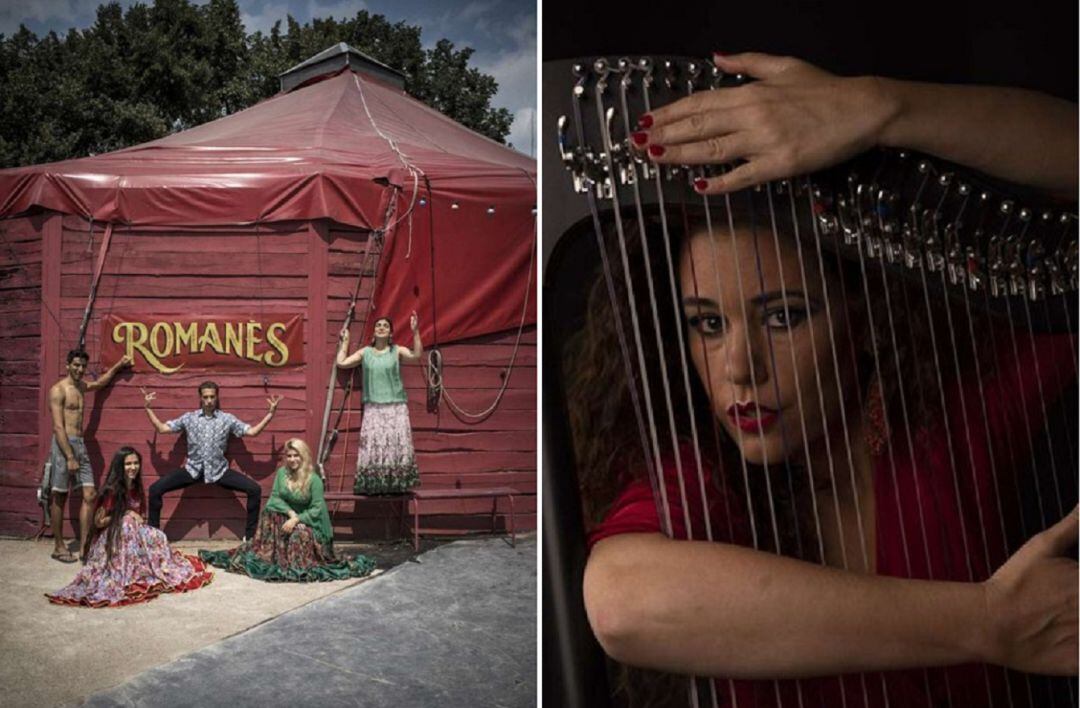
327,439
94,283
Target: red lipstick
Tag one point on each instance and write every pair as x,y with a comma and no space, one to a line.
749,417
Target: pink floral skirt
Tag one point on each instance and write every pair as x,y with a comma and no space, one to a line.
387,462
143,566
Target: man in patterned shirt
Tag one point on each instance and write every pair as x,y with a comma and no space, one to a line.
208,430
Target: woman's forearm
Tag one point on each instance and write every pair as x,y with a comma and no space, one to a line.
719,610
1014,134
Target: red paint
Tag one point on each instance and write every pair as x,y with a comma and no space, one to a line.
174,270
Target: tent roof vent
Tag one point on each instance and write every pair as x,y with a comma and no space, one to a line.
334,59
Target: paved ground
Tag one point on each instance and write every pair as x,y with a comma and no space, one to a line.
455,627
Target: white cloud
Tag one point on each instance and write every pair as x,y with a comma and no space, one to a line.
339,9
51,13
264,18
523,131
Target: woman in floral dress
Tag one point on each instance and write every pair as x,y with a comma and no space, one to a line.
294,539
386,463
128,561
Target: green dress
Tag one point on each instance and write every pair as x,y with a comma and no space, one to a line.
306,554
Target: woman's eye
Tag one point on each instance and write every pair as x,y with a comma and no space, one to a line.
706,324
785,319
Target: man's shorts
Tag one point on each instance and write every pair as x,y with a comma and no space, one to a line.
59,480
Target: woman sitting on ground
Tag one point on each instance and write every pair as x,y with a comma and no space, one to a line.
294,540
128,561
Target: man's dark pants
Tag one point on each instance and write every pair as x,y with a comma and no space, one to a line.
230,480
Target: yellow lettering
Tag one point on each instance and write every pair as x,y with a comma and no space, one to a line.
252,340
234,338
155,336
138,342
186,337
210,338
273,340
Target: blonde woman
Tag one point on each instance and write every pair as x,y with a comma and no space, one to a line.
294,540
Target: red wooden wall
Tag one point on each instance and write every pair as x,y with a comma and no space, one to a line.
281,268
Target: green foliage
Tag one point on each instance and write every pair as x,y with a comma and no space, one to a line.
139,74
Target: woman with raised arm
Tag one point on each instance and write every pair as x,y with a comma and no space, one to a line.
387,462
294,541
127,560
839,489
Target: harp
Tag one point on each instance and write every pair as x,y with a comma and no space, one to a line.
964,363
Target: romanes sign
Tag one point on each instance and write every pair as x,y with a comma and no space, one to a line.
170,343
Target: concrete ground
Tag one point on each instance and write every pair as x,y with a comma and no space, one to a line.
454,627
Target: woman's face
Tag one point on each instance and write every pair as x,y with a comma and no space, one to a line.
383,329
131,468
759,335
292,459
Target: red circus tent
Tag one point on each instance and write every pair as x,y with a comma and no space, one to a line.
340,146
272,211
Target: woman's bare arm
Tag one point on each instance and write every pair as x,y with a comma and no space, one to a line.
715,609
798,118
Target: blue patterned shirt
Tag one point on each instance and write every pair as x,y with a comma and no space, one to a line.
207,438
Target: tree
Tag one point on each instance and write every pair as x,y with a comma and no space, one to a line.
139,74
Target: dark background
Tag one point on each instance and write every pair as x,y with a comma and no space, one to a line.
1031,44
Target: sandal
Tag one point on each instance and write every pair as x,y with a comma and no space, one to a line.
64,557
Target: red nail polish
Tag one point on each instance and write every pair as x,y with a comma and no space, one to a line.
656,150
640,137
718,55
700,184
645,121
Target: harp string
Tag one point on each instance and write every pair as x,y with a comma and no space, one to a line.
677,316
1031,432
654,311
834,351
990,447
624,81
751,364
811,484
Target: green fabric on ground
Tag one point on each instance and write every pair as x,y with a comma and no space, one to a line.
247,563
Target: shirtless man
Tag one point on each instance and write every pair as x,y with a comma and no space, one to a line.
70,463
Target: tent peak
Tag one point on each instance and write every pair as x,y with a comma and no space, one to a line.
334,59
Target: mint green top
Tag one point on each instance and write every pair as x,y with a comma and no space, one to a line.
310,506
382,376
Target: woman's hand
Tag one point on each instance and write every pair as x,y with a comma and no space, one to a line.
1031,603
795,119
414,322
134,515
289,525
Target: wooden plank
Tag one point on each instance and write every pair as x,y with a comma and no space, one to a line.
179,287
49,357
318,369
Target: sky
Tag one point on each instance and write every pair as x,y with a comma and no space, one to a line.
503,33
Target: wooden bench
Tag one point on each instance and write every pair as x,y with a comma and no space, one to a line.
495,493
401,499
412,500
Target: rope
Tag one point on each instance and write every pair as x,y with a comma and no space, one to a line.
414,171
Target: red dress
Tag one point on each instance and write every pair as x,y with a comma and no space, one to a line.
927,526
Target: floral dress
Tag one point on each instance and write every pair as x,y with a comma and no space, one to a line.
304,555
142,567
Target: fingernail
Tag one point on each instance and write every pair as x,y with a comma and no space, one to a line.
645,121
701,184
640,137
656,150
718,55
